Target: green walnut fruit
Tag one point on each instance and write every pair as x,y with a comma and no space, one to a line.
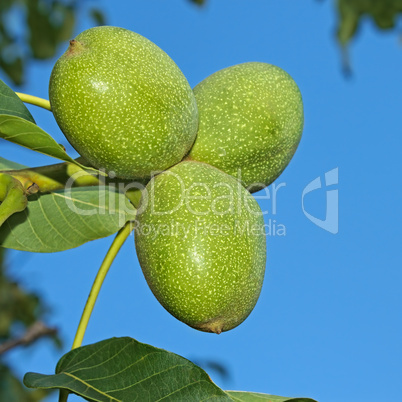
201,245
251,122
123,103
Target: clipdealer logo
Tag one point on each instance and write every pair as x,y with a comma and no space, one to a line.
109,203
331,221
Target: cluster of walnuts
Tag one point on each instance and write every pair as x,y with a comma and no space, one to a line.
126,107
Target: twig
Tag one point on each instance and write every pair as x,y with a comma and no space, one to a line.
35,331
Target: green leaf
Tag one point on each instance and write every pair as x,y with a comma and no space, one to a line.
5,4
42,37
29,135
351,12
98,16
12,197
65,219
198,2
257,397
49,23
12,62
5,164
65,30
11,104
348,22
123,369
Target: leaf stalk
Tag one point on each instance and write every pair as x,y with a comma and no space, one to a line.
115,247
34,100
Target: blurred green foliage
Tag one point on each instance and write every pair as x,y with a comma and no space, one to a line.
33,29
19,310
383,12
199,2
12,390
351,12
16,306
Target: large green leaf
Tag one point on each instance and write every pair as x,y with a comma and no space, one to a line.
11,104
257,397
123,369
66,219
29,135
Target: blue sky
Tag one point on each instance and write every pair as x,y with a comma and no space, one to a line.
328,322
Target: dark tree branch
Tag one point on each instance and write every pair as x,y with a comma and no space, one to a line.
35,331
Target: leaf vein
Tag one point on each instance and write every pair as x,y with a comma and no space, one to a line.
180,389
91,387
51,224
33,230
12,232
66,220
100,364
147,378
78,353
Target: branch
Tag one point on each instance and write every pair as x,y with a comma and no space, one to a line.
54,177
35,331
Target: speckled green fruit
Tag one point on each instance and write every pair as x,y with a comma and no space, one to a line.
201,245
123,103
251,122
